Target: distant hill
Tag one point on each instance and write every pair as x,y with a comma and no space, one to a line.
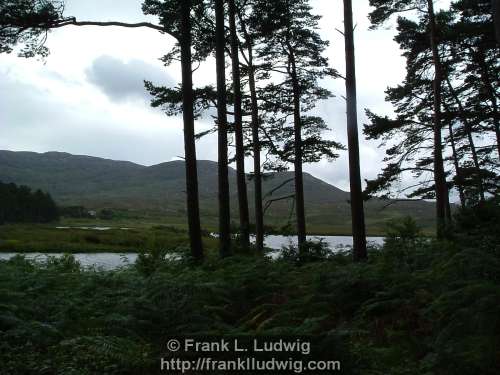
103,183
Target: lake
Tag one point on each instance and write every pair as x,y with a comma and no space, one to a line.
333,242
109,261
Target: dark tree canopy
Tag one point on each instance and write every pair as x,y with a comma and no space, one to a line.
25,23
385,9
202,26
19,204
284,30
470,71
287,40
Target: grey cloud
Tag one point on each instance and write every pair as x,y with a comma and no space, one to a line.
23,106
125,80
34,120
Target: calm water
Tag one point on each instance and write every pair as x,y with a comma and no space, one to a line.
110,261
333,242
106,261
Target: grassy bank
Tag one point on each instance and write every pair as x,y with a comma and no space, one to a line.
48,238
414,308
124,236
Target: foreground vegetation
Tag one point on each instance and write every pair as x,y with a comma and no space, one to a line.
416,307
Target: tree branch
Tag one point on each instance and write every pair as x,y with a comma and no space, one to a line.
270,192
74,22
271,201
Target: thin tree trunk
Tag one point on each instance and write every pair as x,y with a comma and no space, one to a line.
193,210
491,95
238,123
224,213
357,209
256,145
448,206
460,186
439,175
299,178
259,212
495,10
470,138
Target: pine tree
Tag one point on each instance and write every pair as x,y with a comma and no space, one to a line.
176,17
384,9
357,211
19,204
245,17
474,38
224,212
238,128
474,172
293,50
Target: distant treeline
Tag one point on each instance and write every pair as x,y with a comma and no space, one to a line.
20,204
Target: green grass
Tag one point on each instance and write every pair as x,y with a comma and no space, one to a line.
47,238
144,232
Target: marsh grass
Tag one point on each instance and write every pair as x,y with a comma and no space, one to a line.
47,238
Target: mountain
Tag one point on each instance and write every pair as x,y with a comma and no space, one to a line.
99,183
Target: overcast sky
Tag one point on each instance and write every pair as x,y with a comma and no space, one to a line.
88,98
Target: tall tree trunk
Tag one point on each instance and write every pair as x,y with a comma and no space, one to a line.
357,209
238,123
299,178
456,164
448,206
259,212
256,145
495,8
224,214
193,210
439,175
485,77
470,138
